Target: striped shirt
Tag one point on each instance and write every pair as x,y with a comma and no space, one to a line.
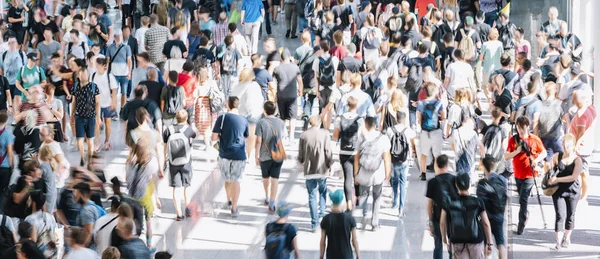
220,31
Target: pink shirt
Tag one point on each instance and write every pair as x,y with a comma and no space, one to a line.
585,144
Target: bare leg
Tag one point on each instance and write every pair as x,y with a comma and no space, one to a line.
266,183
292,128
176,203
123,99
423,163
149,232
274,11
16,103
81,149
107,129
228,191
274,185
250,141
235,195
90,142
502,252
186,201
584,185
327,121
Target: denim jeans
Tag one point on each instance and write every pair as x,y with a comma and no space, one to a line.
302,24
316,188
438,250
364,197
125,85
307,103
267,20
399,171
524,187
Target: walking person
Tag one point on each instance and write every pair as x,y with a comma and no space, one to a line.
289,88
85,113
280,227
430,115
120,64
492,190
251,101
526,151
372,166
565,198
231,130
466,235
252,15
439,189
338,231
315,155
107,86
269,130
178,138
229,60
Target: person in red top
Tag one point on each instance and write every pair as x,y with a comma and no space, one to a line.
583,127
188,81
525,150
421,7
339,50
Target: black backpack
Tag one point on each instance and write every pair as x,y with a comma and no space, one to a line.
448,191
174,100
371,85
326,71
399,148
414,79
70,46
6,237
464,225
349,133
493,193
306,70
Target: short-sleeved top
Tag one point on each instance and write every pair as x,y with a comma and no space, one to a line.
338,227
188,132
383,145
586,144
267,128
521,161
252,10
206,53
480,207
263,78
459,73
4,86
426,61
164,97
154,90
233,134
435,193
11,63
87,215
69,206
173,44
174,12
6,138
315,65
421,105
287,85
46,52
491,50
105,87
81,252
15,13
365,103
290,232
29,77
95,36
128,112
42,221
238,57
86,100
350,63
474,35
272,57
119,62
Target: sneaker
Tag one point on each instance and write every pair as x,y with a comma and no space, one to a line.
294,37
266,202
430,167
565,243
287,34
401,213
375,228
272,207
179,218
235,213
115,117
365,222
423,177
188,212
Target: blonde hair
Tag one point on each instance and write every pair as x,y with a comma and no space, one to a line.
462,95
145,20
569,143
246,75
397,100
47,155
355,80
494,34
111,252
329,16
181,116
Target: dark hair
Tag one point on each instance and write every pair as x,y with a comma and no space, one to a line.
163,255
174,30
39,198
76,32
90,15
270,108
404,40
233,102
448,37
125,27
522,122
83,188
30,249
527,65
78,17
396,38
101,7
505,60
77,235
324,44
101,61
462,181
488,163
188,66
430,88
144,55
47,29
370,122
203,41
441,161
256,57
55,55
232,27
173,77
496,112
423,48
25,230
228,40
3,116
114,203
79,62
459,54
140,90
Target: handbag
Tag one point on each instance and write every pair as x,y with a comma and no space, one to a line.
550,189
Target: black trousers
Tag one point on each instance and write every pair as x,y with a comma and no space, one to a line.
5,174
524,187
350,188
565,207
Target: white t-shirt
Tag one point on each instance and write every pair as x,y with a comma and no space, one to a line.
175,64
102,236
141,39
325,56
460,74
82,253
102,83
251,98
240,44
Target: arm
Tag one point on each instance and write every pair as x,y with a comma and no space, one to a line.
486,228
300,85
129,67
387,158
540,157
242,14
296,250
443,228
11,155
18,197
336,134
61,218
57,113
162,105
87,233
356,164
257,151
510,155
301,150
322,244
215,137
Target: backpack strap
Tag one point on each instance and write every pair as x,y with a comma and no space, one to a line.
107,223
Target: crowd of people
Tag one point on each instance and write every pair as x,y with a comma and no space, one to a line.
393,80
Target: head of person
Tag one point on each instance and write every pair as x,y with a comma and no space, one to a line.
551,90
101,65
370,123
305,37
564,29
27,249
448,39
270,108
125,210
163,255
181,116
314,121
175,32
145,20
441,164
82,192
459,54
38,199
173,77
47,33
3,118
449,15
534,84
269,45
553,13
431,89
125,228
256,60
76,236
497,83
337,197
233,102
494,34
569,144
480,17
140,92
74,36
56,60
356,80
25,230
203,75
503,17
469,22
463,182
247,75
77,24
423,48
84,75
153,19
496,113
505,60
352,50
338,37
36,94
324,44
228,40
462,95
13,44
580,99
286,56
100,9
488,164
93,17
32,59
47,155
283,210
111,252
143,59
522,124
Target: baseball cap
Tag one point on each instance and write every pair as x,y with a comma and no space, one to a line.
283,209
364,4
336,197
32,56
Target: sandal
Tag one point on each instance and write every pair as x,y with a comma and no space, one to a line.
188,212
107,146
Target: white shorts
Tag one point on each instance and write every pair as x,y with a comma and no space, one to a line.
431,142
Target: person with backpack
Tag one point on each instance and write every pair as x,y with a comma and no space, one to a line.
204,57
440,190
281,236
179,157
347,129
229,60
120,64
466,223
576,83
373,86
44,224
492,190
107,86
338,231
89,213
529,105
461,109
7,161
76,46
372,166
350,63
132,246
510,77
495,141
24,79
105,225
77,241
364,100
430,115
171,99
394,24
85,113
402,139
465,144
315,155
270,131
526,151
371,38
468,40
507,30
324,67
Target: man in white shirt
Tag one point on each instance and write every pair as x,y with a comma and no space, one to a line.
239,42
107,85
76,45
459,75
105,225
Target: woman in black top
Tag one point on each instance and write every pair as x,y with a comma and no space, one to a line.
569,190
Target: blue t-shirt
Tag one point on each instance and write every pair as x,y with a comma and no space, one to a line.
533,105
262,78
7,138
421,106
232,143
424,61
252,9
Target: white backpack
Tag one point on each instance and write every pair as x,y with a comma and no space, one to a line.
178,147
